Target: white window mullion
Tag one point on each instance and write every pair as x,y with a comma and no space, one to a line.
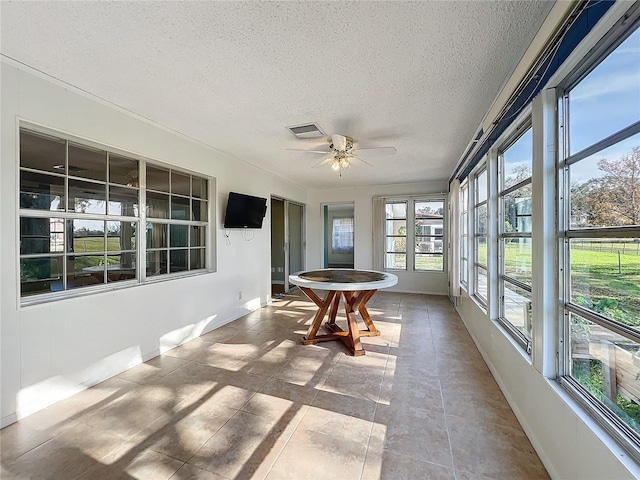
492,236
141,232
545,292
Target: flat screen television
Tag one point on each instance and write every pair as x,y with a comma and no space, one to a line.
244,211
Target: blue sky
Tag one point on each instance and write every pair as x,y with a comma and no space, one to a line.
603,103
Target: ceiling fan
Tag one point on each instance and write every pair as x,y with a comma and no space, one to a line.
341,152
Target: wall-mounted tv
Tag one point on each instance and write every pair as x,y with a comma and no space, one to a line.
244,211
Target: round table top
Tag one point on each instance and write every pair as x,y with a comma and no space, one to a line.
343,279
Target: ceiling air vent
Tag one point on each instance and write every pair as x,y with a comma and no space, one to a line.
309,130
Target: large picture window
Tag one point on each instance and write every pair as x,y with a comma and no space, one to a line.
80,217
515,274
418,222
601,241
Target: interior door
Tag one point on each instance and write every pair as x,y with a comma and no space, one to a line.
295,227
287,243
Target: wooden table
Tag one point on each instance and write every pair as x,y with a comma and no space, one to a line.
355,287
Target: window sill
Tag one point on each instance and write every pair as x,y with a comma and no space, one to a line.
93,290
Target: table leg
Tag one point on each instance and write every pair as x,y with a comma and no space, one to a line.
334,308
353,302
323,306
374,332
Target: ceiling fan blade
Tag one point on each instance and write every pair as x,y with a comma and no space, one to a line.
363,161
324,160
387,150
324,152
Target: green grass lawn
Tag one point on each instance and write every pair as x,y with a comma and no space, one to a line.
95,244
423,262
598,275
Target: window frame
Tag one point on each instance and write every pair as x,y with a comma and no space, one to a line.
388,236
411,236
67,215
524,340
434,237
613,424
476,206
464,235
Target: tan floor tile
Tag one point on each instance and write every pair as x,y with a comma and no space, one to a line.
271,407
411,390
186,432
82,404
239,448
312,454
152,370
189,350
356,407
421,361
256,340
128,463
356,382
135,410
251,401
269,362
461,370
416,433
220,334
191,472
495,451
478,404
301,394
232,357
52,460
191,381
372,361
20,437
306,370
334,423
388,465
277,397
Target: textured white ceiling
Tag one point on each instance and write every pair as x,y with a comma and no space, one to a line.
417,75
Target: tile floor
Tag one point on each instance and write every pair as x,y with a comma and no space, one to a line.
248,400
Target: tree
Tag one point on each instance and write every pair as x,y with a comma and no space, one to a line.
613,198
517,204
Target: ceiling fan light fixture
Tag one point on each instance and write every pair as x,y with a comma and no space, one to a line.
339,162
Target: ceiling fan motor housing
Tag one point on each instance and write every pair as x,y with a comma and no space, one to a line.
340,143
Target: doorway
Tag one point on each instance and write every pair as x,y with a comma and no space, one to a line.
287,243
339,237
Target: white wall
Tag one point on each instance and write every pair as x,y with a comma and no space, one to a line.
51,350
362,197
570,444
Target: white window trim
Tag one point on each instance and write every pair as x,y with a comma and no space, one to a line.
410,201
142,279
